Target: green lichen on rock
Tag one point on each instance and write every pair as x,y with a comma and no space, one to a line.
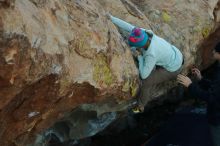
206,31
134,88
102,73
126,86
166,17
131,86
80,45
77,44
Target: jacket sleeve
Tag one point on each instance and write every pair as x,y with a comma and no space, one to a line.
149,31
146,65
122,24
206,95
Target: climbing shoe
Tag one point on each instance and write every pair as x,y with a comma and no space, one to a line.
137,109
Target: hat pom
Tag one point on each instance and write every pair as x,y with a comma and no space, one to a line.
137,32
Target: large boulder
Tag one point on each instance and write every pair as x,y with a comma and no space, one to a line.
56,56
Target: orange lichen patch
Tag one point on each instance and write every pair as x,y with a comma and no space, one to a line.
96,36
50,15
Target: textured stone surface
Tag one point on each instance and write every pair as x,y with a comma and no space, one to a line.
57,55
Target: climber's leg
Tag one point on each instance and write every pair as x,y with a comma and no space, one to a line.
159,75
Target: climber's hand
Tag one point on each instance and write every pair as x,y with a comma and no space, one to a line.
196,72
184,80
108,15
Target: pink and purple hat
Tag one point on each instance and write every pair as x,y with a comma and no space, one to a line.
137,38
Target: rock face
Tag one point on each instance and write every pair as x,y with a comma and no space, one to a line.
59,55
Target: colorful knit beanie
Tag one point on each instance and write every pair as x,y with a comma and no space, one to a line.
138,38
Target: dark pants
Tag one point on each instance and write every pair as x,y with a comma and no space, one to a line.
215,133
158,75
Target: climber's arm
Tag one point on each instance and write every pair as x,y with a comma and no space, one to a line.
122,24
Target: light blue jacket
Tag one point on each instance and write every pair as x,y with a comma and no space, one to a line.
160,52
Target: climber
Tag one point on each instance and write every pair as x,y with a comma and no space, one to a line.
158,60
209,91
